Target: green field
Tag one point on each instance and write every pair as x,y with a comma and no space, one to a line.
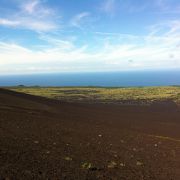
104,95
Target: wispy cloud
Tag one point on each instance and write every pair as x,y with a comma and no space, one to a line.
28,23
6,22
57,43
92,49
109,7
156,51
37,8
78,19
32,15
166,28
30,6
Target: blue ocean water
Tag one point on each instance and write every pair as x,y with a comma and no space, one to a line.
107,79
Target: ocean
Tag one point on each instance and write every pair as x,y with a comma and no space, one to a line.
106,79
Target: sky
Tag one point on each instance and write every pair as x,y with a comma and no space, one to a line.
50,36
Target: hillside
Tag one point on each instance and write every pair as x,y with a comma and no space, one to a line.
43,138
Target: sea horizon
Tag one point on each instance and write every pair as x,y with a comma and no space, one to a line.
101,79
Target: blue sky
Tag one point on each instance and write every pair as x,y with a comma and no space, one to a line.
39,36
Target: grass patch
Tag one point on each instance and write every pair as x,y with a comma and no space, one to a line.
99,94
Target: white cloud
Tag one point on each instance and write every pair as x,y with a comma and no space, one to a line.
30,6
36,8
156,50
29,23
57,42
166,28
32,15
6,22
78,19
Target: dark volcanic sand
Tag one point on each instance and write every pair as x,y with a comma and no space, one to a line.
49,139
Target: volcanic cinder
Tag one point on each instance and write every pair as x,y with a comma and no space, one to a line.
42,138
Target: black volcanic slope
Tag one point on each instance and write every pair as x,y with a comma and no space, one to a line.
48,139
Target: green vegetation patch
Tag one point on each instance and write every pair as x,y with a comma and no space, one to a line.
104,95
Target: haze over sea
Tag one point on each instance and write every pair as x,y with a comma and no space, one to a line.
108,79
